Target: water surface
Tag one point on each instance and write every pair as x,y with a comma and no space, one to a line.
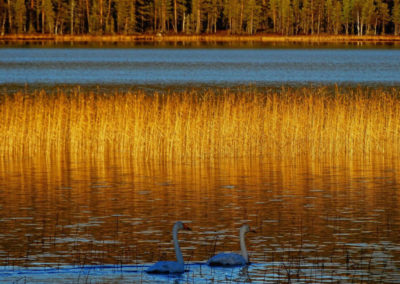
111,219
212,66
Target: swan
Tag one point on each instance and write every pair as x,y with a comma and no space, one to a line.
165,267
233,259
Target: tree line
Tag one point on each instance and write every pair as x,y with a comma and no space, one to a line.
286,17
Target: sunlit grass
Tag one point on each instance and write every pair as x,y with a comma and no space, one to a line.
316,123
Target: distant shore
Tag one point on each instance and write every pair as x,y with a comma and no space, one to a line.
198,38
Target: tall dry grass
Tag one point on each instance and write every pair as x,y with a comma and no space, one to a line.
316,123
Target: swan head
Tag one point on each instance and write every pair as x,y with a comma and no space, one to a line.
181,226
246,229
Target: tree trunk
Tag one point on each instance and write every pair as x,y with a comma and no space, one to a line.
215,24
163,16
184,22
10,19
101,16
155,19
72,17
198,19
312,17
274,20
88,16
3,26
251,20
361,26
43,17
241,17
209,24
175,17
109,15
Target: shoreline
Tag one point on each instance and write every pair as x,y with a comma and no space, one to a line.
54,88
201,38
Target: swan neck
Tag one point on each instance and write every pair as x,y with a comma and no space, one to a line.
243,246
178,252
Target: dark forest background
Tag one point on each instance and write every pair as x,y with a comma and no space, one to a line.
285,17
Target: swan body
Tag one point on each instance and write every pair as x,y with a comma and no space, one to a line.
227,259
167,267
233,259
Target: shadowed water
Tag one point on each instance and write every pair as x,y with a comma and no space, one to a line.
108,220
207,66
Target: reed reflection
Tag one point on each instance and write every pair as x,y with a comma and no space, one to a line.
119,211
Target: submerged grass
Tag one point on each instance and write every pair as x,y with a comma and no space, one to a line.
317,123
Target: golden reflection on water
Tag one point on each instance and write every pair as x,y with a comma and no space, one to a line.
57,211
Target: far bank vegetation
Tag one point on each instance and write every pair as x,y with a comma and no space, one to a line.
127,17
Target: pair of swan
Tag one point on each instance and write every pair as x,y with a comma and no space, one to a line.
221,259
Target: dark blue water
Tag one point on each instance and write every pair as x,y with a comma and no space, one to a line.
199,66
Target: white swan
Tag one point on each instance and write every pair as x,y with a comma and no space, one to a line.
165,267
233,259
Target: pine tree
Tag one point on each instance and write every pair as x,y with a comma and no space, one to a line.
347,14
307,16
47,13
274,8
337,19
396,16
296,17
383,15
126,16
20,12
329,10
319,10
285,17
144,15
357,6
252,14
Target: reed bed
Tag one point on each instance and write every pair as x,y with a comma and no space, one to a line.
316,123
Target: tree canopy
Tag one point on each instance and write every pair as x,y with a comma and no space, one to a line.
286,17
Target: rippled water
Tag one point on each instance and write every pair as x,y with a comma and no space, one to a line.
110,220
234,66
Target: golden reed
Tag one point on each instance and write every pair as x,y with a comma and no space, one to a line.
316,123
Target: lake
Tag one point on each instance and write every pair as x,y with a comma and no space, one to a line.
113,219
107,219
200,66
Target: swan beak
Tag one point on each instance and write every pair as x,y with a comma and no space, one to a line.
186,227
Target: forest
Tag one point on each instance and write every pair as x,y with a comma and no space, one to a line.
129,17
